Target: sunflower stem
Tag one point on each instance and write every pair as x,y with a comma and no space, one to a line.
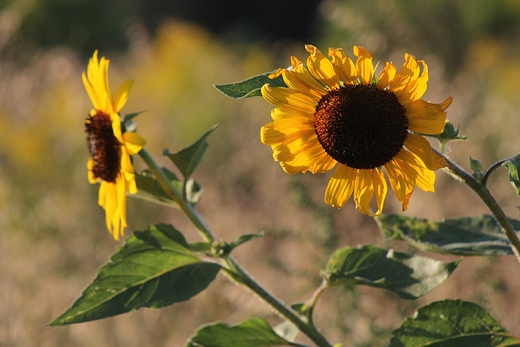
233,270
239,276
184,205
483,192
490,170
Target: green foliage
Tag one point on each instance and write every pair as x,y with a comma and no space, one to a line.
155,268
476,166
250,87
513,165
452,323
478,235
254,332
409,276
150,189
188,159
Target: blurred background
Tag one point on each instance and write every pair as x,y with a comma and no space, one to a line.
52,233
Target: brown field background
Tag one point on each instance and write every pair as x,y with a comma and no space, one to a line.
52,233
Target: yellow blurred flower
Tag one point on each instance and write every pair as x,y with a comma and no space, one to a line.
337,112
109,147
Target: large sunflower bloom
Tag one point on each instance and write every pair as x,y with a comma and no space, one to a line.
109,147
335,112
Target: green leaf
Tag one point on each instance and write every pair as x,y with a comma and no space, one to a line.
409,276
513,165
250,87
188,159
154,268
476,166
478,235
149,189
448,134
254,332
452,323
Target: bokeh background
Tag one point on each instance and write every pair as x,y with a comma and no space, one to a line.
52,233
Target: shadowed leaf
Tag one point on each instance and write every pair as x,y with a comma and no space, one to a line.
513,166
254,332
250,87
188,159
409,276
149,189
452,323
154,268
478,235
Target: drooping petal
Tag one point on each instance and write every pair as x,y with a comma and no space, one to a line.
364,66
340,186
369,183
416,171
401,184
343,66
321,68
419,146
133,142
121,96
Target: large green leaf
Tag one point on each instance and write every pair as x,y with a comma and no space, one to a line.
188,159
154,268
149,189
452,323
254,332
250,87
478,235
409,276
513,166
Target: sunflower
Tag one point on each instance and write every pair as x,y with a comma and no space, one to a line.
337,113
109,147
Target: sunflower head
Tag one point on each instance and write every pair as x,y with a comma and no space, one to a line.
337,113
109,148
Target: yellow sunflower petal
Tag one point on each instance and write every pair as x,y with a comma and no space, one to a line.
133,142
286,130
122,95
93,95
340,186
401,184
302,155
91,178
343,66
419,146
289,100
369,183
300,79
364,66
427,118
416,171
387,75
321,68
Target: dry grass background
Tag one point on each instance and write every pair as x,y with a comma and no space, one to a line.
52,232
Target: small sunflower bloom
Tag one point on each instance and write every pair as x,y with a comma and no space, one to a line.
335,113
109,147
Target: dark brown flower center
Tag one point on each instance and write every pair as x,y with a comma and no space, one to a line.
103,146
361,126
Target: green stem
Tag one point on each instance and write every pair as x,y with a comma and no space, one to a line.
234,271
484,194
313,300
237,274
490,170
184,205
